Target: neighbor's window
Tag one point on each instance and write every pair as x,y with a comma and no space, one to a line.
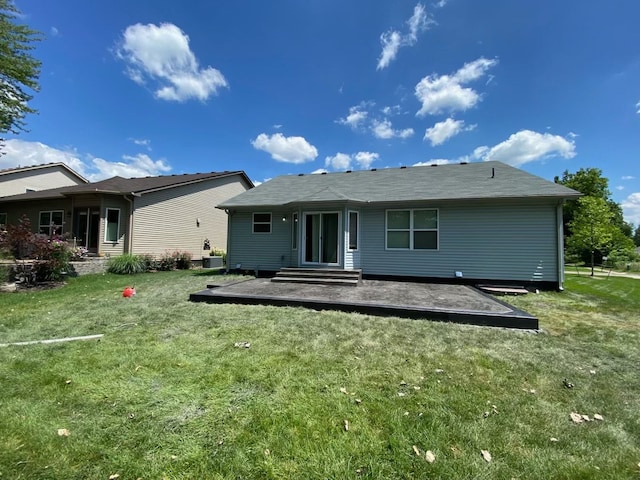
51,222
353,230
112,228
294,232
3,220
415,229
261,223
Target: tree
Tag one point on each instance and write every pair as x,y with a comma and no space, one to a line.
19,71
636,236
591,227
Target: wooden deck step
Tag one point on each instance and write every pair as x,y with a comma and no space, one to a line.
319,276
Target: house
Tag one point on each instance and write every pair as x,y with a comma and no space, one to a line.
37,177
472,222
149,215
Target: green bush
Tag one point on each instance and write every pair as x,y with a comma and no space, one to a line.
5,273
219,252
150,263
166,262
182,260
127,264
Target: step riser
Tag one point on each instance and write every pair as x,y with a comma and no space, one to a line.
315,281
319,276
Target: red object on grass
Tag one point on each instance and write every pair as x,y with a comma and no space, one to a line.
129,292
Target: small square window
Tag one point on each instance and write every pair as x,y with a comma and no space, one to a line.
261,223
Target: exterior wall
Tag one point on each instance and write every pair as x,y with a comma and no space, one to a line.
41,179
260,251
510,241
119,247
167,220
32,209
516,242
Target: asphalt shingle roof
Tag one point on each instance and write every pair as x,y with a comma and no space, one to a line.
479,180
119,185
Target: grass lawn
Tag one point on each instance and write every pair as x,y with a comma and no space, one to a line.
166,394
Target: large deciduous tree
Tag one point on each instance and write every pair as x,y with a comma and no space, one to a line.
19,71
591,226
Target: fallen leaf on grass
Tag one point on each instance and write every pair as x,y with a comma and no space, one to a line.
63,432
344,390
586,418
415,449
68,382
597,416
358,401
114,476
429,456
554,439
486,455
346,425
576,417
267,452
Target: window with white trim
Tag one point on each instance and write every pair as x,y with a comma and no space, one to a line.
112,225
50,222
412,229
353,230
262,223
294,231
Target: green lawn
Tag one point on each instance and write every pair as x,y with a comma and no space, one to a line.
166,394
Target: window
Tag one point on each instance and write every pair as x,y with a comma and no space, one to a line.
51,222
261,223
353,230
112,228
294,232
3,220
412,229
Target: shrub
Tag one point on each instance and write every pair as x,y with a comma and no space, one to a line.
166,262
127,264
53,257
5,273
219,252
150,263
182,260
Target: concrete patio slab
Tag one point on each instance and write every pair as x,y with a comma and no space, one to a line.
443,302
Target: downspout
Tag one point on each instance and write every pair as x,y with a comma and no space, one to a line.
128,246
228,212
560,234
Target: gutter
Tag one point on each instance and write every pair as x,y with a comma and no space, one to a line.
129,243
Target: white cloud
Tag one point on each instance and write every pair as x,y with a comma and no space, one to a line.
143,142
161,55
620,188
23,153
446,93
443,131
277,126
384,130
441,3
54,32
392,40
527,146
638,108
357,115
631,208
285,149
628,177
435,161
391,110
344,161
365,159
340,161
319,170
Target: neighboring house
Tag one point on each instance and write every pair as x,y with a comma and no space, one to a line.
18,180
482,222
149,215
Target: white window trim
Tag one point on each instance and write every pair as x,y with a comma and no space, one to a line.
50,212
349,212
295,230
106,226
411,229
254,223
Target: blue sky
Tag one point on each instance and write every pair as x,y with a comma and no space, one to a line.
289,86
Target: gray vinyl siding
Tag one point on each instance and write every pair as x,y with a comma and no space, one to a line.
261,251
500,242
167,220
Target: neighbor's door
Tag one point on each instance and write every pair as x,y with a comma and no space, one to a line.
86,225
322,238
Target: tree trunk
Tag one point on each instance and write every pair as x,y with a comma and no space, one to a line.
592,261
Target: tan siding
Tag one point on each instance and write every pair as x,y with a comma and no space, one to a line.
14,211
109,248
20,182
167,220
